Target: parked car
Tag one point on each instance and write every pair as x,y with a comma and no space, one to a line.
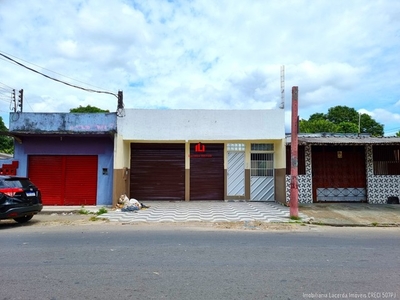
20,199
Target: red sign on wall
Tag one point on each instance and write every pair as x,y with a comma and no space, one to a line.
200,150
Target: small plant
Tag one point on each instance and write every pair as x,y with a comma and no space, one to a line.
101,211
83,211
96,218
374,224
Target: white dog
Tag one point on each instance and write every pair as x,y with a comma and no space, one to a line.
124,202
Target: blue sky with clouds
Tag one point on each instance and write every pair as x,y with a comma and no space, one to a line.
204,54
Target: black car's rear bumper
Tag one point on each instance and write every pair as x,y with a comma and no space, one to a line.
13,212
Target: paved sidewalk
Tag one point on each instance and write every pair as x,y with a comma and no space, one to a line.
332,214
183,211
204,211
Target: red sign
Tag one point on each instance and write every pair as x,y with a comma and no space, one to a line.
200,150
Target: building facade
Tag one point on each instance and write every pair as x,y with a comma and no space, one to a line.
190,155
69,156
339,168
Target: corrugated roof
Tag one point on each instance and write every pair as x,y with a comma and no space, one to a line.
343,139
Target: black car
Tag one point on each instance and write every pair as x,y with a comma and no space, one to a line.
20,199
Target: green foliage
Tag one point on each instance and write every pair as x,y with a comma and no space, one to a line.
87,109
83,211
317,116
348,127
6,142
398,133
101,211
369,125
339,114
317,126
341,119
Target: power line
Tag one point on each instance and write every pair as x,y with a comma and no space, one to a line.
20,59
60,81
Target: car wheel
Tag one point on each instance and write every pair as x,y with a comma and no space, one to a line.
23,219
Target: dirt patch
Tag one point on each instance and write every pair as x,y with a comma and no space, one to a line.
258,225
352,213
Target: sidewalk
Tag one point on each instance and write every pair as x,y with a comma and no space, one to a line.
330,214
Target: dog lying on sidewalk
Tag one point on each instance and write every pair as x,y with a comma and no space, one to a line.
126,204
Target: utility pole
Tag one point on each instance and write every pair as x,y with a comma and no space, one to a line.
294,159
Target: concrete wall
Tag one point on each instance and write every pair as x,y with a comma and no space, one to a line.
63,122
163,125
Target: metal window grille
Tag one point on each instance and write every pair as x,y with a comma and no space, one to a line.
262,164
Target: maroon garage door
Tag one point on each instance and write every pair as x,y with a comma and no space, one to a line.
157,172
206,171
65,180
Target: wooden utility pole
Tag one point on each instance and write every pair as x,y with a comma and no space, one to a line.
294,159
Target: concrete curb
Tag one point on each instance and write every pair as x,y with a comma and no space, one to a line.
354,225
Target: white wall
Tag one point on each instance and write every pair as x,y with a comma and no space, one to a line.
185,124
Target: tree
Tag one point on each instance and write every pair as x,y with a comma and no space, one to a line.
339,114
317,126
6,142
341,119
398,133
87,109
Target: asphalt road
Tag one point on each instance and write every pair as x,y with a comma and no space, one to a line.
175,262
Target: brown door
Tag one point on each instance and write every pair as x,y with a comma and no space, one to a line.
206,171
157,172
65,180
338,169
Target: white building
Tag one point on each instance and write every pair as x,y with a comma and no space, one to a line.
200,155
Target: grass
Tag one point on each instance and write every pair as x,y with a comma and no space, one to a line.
84,211
101,211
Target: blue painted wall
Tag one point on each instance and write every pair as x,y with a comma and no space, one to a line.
67,134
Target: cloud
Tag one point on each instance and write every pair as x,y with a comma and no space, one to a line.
205,54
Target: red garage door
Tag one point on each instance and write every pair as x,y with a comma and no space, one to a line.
65,180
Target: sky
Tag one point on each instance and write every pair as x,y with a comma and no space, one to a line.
203,54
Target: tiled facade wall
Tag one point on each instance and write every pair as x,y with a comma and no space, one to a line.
304,181
379,187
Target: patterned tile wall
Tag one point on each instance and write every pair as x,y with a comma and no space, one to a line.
304,181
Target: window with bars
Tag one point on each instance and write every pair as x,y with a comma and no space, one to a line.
262,164
386,159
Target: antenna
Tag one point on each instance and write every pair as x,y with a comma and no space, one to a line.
282,106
